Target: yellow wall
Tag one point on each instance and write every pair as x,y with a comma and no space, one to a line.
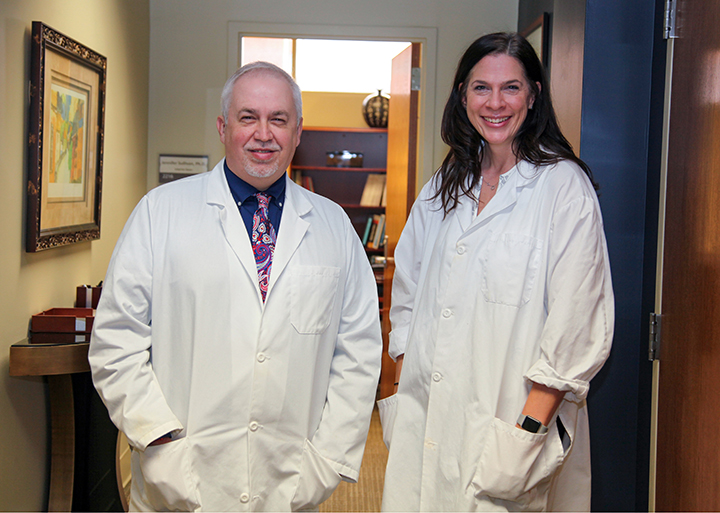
336,110
30,283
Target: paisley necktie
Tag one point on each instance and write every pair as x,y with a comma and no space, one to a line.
263,242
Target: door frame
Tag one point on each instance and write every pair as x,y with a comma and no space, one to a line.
659,269
427,36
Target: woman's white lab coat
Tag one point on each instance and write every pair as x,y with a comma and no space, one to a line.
271,403
482,306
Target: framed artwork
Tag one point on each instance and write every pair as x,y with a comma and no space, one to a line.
67,113
538,35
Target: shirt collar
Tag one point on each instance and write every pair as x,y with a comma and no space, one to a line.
241,190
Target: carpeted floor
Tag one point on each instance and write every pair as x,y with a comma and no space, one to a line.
366,494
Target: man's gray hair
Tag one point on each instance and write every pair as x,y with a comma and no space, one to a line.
226,96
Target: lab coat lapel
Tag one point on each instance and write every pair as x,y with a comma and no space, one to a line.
464,213
218,194
292,229
505,197
522,175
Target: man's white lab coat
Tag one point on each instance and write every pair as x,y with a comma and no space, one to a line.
483,305
270,404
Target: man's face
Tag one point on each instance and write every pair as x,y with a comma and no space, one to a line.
262,130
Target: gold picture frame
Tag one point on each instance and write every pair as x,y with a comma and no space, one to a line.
65,161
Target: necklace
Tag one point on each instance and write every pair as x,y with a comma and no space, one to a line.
492,187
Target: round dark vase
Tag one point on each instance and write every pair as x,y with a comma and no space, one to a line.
375,110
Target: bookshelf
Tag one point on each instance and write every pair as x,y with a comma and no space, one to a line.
343,185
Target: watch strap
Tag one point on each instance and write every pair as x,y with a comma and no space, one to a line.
531,424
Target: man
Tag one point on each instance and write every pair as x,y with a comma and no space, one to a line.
237,341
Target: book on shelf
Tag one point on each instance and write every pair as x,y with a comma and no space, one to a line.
373,190
307,182
376,232
375,219
379,233
366,235
297,176
383,201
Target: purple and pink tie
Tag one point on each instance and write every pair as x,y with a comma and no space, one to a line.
263,242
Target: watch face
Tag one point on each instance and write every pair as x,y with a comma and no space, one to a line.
531,424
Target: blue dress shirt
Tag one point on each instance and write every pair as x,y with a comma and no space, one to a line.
244,196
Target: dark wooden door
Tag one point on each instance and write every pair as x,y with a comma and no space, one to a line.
401,173
688,434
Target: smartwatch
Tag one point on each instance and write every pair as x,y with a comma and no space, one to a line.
531,424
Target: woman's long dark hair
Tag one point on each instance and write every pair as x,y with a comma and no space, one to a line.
539,139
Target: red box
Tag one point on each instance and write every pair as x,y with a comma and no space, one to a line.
61,325
88,296
40,337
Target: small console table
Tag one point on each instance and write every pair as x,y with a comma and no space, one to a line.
57,362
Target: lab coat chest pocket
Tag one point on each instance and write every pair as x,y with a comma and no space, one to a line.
510,264
167,479
312,297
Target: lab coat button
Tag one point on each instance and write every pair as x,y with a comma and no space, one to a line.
447,313
436,376
261,357
461,250
244,497
254,426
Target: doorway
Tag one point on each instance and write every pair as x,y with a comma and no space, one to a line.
426,36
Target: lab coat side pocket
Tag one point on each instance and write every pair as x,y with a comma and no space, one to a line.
514,462
167,482
318,480
312,297
387,408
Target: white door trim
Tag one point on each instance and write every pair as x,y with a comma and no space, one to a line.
427,36
659,269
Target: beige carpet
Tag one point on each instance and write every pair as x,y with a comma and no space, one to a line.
366,494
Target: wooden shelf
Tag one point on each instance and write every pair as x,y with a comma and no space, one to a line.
317,142
343,185
360,130
371,208
48,359
340,169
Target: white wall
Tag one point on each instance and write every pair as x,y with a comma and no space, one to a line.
189,54
30,283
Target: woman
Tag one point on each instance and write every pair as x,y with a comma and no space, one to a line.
502,307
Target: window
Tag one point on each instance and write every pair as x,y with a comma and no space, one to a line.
328,65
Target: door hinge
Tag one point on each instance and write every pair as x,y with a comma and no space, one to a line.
670,30
655,336
415,79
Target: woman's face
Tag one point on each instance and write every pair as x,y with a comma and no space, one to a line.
497,99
